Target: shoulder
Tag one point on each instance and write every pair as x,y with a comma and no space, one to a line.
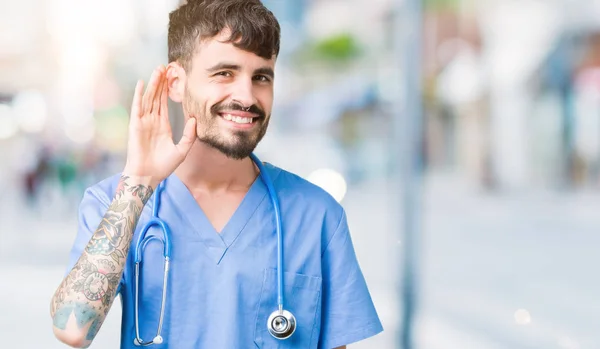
299,193
104,190
291,185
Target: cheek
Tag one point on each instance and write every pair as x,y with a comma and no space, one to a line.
214,95
265,99
199,101
204,92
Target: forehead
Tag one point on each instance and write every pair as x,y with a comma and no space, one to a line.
217,49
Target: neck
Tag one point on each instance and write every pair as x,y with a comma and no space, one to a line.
207,169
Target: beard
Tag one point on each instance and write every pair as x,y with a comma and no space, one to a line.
236,144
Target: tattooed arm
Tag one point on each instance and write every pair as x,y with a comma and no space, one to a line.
83,299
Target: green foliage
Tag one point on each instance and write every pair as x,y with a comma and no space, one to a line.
337,49
441,4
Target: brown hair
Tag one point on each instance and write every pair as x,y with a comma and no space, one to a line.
253,27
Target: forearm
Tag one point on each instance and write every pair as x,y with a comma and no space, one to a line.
83,299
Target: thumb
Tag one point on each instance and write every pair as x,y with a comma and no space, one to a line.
188,137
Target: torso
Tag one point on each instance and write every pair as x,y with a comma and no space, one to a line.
230,280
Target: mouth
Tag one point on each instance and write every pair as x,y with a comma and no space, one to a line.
238,119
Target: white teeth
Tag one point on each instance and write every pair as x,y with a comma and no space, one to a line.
237,119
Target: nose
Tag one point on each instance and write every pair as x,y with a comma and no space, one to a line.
243,93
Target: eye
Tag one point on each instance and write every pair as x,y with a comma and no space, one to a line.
262,78
224,73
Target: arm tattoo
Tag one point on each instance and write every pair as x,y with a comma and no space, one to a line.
89,289
118,220
94,283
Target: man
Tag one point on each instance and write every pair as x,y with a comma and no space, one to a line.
222,283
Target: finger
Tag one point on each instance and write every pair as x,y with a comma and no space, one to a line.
164,99
136,104
150,92
158,96
188,137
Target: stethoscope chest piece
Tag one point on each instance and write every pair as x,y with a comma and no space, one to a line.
140,343
281,324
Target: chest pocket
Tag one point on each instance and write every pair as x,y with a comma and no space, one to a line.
302,297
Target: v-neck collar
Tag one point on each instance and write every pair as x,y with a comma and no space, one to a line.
216,243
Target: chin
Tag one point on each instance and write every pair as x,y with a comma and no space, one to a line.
236,150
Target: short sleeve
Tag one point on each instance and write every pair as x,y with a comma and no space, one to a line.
92,209
349,314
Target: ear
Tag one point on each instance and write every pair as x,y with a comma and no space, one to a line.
176,78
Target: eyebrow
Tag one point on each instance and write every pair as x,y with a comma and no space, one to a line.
265,71
223,66
231,66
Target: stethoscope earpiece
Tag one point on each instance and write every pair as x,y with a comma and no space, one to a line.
281,324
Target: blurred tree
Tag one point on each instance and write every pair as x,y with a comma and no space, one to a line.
441,4
340,48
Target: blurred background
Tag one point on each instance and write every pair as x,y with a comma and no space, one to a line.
461,136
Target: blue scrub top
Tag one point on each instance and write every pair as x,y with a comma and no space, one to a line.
223,286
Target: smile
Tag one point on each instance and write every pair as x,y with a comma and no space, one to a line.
237,119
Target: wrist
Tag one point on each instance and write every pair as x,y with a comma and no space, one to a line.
141,187
139,177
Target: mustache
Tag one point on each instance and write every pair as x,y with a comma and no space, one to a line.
254,109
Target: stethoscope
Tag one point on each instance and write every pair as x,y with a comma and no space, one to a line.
281,323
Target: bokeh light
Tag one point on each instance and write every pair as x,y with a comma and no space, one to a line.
522,317
331,181
31,111
8,123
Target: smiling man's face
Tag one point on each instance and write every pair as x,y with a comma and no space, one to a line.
229,92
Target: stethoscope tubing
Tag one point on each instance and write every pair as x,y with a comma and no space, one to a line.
267,181
140,247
